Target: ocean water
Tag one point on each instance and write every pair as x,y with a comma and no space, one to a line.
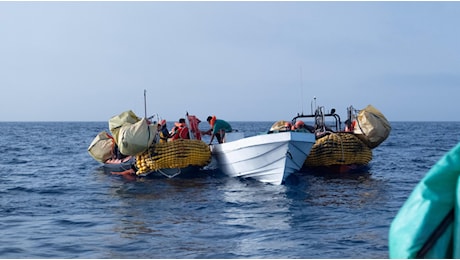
57,202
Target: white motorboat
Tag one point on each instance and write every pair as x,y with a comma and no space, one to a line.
268,158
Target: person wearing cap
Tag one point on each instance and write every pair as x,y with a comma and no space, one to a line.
302,127
218,128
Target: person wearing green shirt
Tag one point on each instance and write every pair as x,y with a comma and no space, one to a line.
218,128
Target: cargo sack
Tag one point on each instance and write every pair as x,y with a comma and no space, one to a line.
116,122
101,147
371,126
136,138
279,126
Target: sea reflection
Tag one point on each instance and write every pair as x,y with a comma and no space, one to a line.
347,189
148,206
255,205
255,213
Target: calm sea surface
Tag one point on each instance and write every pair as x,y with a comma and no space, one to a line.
57,202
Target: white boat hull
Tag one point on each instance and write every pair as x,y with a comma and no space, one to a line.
269,158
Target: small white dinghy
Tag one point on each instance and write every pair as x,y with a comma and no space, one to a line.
268,158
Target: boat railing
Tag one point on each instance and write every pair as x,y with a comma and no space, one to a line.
321,119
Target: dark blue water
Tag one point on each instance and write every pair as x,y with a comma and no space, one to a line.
57,202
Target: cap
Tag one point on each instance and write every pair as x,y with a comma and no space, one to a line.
299,123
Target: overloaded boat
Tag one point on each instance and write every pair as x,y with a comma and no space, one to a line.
343,148
135,145
269,158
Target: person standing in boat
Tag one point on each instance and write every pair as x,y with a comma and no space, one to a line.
218,129
180,130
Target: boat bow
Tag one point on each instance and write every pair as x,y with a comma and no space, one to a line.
269,158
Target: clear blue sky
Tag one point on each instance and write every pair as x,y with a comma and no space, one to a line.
241,61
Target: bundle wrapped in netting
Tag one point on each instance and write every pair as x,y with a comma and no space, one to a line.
176,154
339,149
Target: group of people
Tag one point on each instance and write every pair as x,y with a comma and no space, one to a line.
301,126
181,131
282,126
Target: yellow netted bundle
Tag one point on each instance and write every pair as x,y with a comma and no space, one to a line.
175,154
339,149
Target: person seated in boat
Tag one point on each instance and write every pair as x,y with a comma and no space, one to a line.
163,130
300,126
287,126
350,125
117,156
218,129
180,130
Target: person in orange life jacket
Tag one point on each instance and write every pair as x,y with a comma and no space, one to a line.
180,130
218,128
350,125
287,126
302,127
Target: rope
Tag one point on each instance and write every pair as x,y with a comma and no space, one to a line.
179,153
338,149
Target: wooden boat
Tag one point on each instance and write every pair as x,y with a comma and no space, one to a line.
343,148
268,158
119,165
127,164
153,158
427,225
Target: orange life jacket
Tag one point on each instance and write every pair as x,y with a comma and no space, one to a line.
180,131
213,120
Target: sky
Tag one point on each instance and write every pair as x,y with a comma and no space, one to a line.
240,61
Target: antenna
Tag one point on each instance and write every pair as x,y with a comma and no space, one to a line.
301,88
145,103
311,104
